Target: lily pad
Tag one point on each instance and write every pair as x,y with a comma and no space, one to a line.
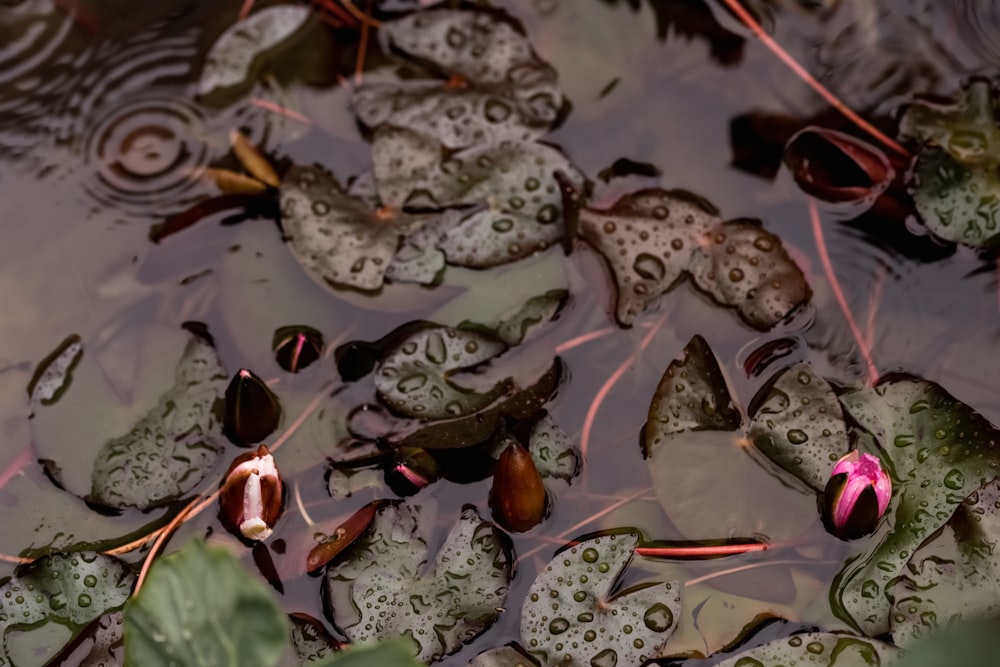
71,589
415,377
231,59
966,128
200,607
647,238
485,83
505,656
555,455
798,424
338,238
955,577
820,649
573,615
379,589
743,266
171,426
938,451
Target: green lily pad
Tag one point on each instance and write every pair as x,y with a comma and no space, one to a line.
233,55
820,649
957,201
692,396
71,589
379,587
647,238
415,377
955,577
798,423
574,616
938,451
554,454
965,128
743,266
171,426
484,81
200,607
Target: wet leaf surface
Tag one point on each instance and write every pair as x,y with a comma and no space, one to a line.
145,452
938,451
817,648
72,589
381,588
799,425
485,83
199,606
415,377
554,453
310,640
505,656
574,615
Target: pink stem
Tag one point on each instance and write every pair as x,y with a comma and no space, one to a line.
700,551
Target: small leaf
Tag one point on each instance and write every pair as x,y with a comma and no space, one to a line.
647,238
414,377
200,607
377,591
554,453
938,451
72,589
817,648
798,424
231,58
505,656
965,128
573,615
311,641
54,373
742,265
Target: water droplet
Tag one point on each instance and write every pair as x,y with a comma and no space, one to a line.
795,641
736,275
904,440
658,618
580,596
547,214
814,647
502,225
590,555
84,600
954,480
606,658
320,207
797,436
610,227
496,111
435,350
649,267
763,244
411,383
869,589
90,581
558,626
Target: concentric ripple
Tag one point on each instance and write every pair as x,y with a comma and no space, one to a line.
30,32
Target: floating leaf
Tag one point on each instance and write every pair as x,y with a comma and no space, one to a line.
338,238
71,589
692,396
231,59
490,85
54,372
938,451
742,265
798,424
99,645
377,590
172,427
554,453
396,652
310,639
954,577
817,648
201,607
536,311
970,644
965,128
647,238
505,656
415,377
574,617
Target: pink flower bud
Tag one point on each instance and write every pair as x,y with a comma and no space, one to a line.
250,501
856,495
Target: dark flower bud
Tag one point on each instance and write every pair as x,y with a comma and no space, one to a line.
252,410
297,347
856,496
250,500
412,469
518,494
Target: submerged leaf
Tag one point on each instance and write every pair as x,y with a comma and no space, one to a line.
647,238
799,425
488,85
573,616
200,606
172,425
377,590
742,265
938,451
414,377
72,589
821,649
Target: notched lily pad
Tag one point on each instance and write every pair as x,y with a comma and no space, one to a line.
822,649
415,377
797,423
647,238
692,396
743,266
484,81
573,615
938,451
169,444
377,589
72,589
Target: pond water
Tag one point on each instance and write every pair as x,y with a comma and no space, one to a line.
105,132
